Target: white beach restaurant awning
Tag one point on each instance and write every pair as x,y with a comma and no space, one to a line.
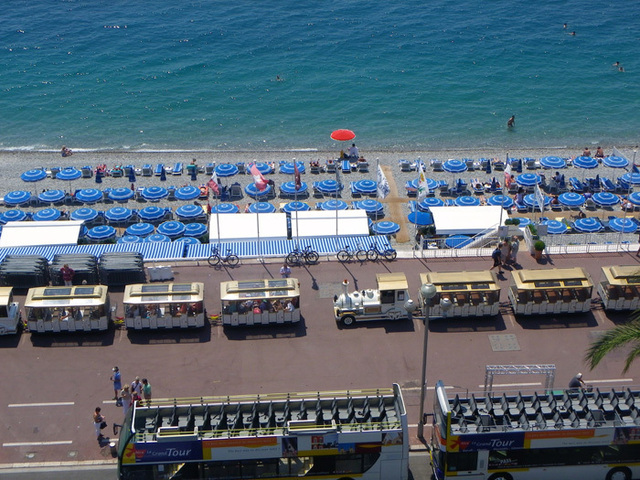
247,226
467,220
29,234
325,223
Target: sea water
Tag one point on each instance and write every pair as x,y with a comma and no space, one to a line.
244,75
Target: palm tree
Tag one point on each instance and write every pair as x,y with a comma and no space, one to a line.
621,336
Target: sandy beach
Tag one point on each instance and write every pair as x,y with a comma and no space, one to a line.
13,164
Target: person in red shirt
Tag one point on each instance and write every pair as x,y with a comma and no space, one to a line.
67,275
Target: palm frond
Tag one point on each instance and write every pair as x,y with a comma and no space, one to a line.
620,336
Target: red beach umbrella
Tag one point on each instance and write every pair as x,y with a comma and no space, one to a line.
343,135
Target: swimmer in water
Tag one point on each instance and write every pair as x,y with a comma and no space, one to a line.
512,121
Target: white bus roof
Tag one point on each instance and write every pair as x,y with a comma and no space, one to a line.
261,288
75,296
150,293
392,281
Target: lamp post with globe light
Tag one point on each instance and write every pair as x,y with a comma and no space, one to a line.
427,292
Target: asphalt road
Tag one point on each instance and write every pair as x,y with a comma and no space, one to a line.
52,383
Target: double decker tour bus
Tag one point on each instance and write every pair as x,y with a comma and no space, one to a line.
337,435
553,435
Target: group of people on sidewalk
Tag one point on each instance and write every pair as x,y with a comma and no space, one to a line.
506,252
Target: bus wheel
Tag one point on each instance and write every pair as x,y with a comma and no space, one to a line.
501,476
348,320
620,473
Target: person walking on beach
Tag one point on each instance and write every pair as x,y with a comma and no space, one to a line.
146,391
65,152
497,259
285,271
67,275
511,122
116,378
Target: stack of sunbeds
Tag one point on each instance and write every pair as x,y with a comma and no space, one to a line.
84,265
24,271
121,268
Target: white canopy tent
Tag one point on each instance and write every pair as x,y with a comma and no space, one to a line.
325,223
31,234
467,220
247,226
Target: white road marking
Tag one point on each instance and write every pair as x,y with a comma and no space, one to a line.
500,385
50,404
37,444
614,380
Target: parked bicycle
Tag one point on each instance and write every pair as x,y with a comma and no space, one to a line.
347,254
307,255
216,259
374,252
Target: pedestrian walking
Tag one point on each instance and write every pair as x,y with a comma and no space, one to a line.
67,275
116,378
126,399
505,252
515,247
497,258
98,421
285,271
136,386
146,391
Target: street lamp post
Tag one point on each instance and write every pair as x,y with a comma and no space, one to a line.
427,291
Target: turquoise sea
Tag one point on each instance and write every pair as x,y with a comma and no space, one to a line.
408,74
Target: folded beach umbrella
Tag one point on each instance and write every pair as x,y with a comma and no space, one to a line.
614,161
588,225
129,239
171,229
152,213
46,215
34,175
587,163
17,197
385,228
287,168
605,199
226,170
140,229
189,211
188,192
222,208
553,162
121,194
101,232
554,227
195,230
503,201
467,201
84,214
51,196
427,202
571,199
13,215
69,173
528,179
154,194
157,238
334,204
623,225
261,207
296,207
163,175
118,214
368,187
89,195
289,188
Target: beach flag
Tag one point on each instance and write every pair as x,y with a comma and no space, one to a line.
296,176
213,184
383,184
539,198
423,186
507,175
258,178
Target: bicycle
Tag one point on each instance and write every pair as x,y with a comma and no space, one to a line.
346,254
374,252
216,259
307,255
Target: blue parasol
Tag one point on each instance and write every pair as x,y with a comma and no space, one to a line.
634,198
524,221
101,232
500,201
152,213
296,207
289,188
467,201
189,211
287,168
531,201
188,240
17,197
171,229
528,179
188,192
334,204
140,229
118,214
370,206
605,199
34,175
554,227
52,196
553,162
195,230
458,241
47,215
89,195
253,191
420,218
328,186
261,207
571,199
623,224
263,168
614,161
121,194
226,170
154,194
130,239
224,208
368,187
454,166
84,214
385,228
157,238
69,173
427,202
588,225
13,215
587,163
631,178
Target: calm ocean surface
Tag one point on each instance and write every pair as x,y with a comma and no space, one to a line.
407,74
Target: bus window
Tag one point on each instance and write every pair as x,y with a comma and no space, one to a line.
462,462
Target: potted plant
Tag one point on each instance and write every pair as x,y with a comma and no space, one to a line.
539,246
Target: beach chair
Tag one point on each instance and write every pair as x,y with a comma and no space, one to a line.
354,192
498,165
363,166
405,165
470,164
117,172
242,168
530,164
87,172
54,171
411,190
235,191
477,186
147,170
128,169
208,168
607,185
576,185
177,169
443,186
159,168
589,204
331,166
346,166
436,165
521,207
314,166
